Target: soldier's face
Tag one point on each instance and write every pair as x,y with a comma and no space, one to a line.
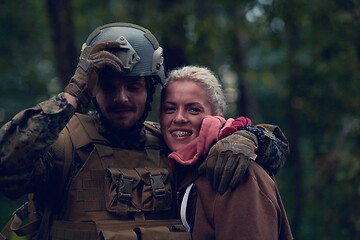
184,106
122,100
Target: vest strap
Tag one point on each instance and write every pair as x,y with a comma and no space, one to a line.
151,233
14,224
153,154
168,229
62,230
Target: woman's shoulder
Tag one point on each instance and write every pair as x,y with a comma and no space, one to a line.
257,173
261,181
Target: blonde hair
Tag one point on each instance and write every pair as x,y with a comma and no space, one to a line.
206,78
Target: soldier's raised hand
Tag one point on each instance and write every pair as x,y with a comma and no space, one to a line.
85,82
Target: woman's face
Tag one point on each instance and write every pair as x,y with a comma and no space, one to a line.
184,106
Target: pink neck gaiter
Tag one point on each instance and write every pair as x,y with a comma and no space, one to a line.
212,129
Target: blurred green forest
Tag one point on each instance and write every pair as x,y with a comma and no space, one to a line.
293,63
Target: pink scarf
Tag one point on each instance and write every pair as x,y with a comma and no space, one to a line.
212,129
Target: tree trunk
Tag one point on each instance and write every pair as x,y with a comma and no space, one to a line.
246,103
293,82
60,16
174,52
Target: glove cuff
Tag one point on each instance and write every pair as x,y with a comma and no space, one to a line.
83,99
262,139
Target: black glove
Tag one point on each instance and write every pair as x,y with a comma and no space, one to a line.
228,160
84,84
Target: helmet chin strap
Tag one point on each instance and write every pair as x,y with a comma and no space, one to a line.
150,93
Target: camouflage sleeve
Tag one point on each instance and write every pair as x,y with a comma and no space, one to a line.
24,142
273,148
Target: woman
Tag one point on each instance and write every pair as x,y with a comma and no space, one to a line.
191,120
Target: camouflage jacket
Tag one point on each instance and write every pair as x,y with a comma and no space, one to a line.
24,142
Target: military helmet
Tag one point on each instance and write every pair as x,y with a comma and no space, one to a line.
140,52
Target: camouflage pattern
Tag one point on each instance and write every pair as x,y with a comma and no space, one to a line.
25,139
273,147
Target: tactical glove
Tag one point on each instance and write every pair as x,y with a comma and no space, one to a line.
228,160
84,84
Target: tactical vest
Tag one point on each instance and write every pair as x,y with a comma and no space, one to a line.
117,193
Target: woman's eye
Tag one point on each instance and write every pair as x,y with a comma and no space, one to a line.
195,110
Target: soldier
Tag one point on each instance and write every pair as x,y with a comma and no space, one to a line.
104,175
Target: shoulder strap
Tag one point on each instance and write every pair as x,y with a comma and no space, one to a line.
153,126
153,136
154,143
83,131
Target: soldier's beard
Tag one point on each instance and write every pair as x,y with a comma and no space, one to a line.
124,129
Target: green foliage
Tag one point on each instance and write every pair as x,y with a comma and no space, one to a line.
25,62
316,82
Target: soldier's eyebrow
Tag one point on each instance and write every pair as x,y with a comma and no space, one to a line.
137,79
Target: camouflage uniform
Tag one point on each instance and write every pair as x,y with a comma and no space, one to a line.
25,142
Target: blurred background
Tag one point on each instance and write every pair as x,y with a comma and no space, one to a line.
292,63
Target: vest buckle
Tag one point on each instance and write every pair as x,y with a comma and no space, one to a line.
157,185
125,189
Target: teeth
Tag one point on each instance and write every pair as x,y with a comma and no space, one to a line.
180,134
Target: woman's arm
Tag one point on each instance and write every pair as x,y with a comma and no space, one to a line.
253,210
